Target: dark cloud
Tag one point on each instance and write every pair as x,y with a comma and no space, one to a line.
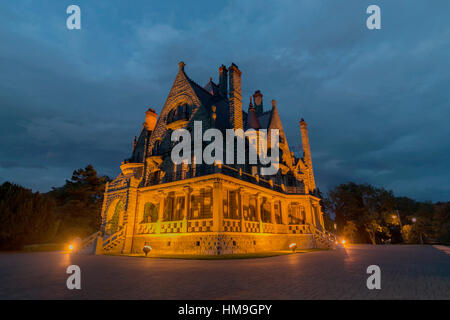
377,102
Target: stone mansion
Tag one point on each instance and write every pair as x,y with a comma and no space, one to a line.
196,208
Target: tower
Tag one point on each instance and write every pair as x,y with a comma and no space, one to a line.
307,154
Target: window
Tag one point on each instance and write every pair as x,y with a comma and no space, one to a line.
233,205
277,209
181,112
150,213
112,226
249,206
266,211
296,213
201,204
174,207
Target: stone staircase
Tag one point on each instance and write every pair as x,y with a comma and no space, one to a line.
114,243
324,239
88,244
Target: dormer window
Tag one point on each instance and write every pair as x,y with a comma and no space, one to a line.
181,112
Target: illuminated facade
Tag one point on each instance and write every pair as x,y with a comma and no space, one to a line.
193,208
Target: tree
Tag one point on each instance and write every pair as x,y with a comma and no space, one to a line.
441,222
364,205
25,217
350,231
79,203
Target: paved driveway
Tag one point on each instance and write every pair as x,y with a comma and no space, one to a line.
407,272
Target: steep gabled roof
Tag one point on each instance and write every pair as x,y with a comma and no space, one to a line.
253,122
264,119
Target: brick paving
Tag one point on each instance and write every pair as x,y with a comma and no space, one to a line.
407,272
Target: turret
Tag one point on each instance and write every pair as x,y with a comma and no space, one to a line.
258,97
307,153
150,119
253,121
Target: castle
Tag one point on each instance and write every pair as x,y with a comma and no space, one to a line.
198,208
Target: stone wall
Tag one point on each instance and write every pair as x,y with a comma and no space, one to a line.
220,243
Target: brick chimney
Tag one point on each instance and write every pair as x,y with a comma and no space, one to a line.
223,81
235,99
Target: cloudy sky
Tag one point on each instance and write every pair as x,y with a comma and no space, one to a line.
377,102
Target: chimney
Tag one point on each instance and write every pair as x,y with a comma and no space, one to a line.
223,81
235,99
150,119
258,98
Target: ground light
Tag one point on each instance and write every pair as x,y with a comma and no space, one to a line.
147,249
293,246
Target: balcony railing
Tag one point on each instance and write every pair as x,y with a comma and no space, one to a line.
203,170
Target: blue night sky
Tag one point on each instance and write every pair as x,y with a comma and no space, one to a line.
377,102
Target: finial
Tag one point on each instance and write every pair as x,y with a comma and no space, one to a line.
181,65
274,103
251,102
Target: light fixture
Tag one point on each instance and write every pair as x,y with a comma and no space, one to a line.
293,246
147,249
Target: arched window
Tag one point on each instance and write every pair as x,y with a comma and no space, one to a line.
181,112
112,225
150,213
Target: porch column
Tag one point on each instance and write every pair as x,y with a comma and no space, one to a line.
310,214
241,209
284,211
217,201
258,211
161,211
272,210
131,216
187,192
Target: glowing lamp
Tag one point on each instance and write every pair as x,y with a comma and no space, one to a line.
343,241
147,249
71,247
293,246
